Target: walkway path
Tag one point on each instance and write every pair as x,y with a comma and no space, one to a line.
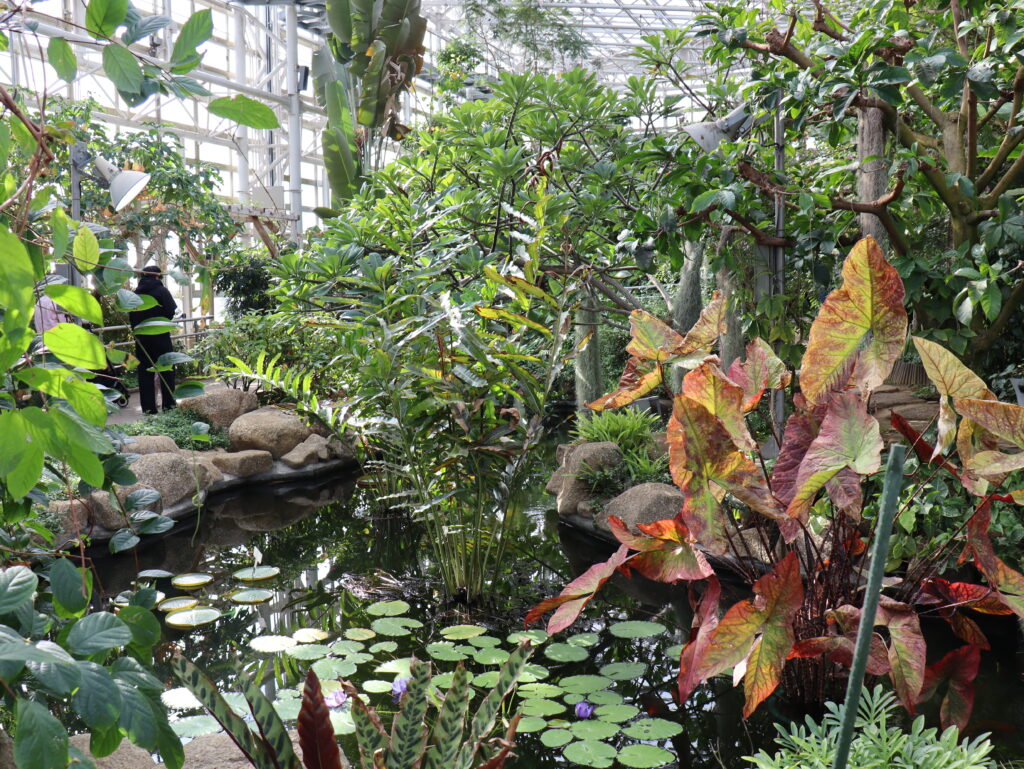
133,411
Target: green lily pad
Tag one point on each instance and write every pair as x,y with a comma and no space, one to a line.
585,684
542,707
256,573
288,708
652,729
644,756
186,619
624,671
308,635
385,647
395,626
192,581
376,687
445,651
332,667
530,724
387,608
590,753
536,637
462,632
177,602
562,652
308,651
358,658
345,647
491,657
342,721
533,691
359,634
195,726
636,629
583,639
443,681
399,668
593,730
574,697
180,698
605,697
616,713
251,596
673,652
484,641
155,574
533,672
556,738
271,644
486,680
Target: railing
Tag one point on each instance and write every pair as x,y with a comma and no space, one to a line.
196,332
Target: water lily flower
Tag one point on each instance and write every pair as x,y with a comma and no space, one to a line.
584,710
398,689
335,699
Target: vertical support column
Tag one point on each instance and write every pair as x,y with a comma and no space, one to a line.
240,77
778,262
294,119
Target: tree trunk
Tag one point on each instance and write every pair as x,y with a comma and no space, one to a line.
589,382
687,302
731,342
872,181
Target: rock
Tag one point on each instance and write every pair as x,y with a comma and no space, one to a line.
127,755
213,474
268,429
585,457
562,450
646,503
218,751
103,512
221,406
341,450
175,476
243,463
312,450
73,516
587,508
149,444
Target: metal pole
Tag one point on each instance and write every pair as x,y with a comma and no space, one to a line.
778,256
78,155
294,119
243,131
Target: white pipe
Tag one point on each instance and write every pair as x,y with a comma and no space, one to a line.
243,131
294,118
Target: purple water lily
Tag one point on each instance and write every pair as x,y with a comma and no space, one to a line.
335,699
399,688
584,710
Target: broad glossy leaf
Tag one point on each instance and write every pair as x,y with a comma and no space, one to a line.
971,440
652,339
103,17
705,621
40,742
758,632
244,111
839,649
17,586
75,346
953,380
703,458
1005,420
638,379
77,301
861,327
98,632
71,586
577,594
994,465
709,326
907,650
959,668
708,385
761,370
666,552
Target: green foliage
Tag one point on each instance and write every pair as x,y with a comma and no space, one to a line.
631,429
879,741
245,280
179,426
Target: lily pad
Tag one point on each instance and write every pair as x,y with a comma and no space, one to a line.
345,647
251,596
271,644
386,647
583,639
534,691
399,668
376,687
533,672
563,652
192,581
491,657
155,574
359,634
186,619
177,602
387,608
556,738
443,681
288,708
332,667
624,671
644,756
652,729
590,753
585,684
445,651
395,626
605,697
308,635
195,726
462,632
636,629
574,697
484,641
342,721
673,652
180,698
535,636
308,651
486,680
593,730
542,707
256,573
616,714
530,724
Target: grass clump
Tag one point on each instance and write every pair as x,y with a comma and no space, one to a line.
177,425
629,428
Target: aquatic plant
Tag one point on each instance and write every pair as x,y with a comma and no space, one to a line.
799,626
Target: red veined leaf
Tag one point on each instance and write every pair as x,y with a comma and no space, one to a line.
709,326
971,439
1008,583
316,732
995,464
702,453
953,380
924,450
705,620
652,339
907,650
966,629
846,493
959,668
961,595
666,553
762,370
1005,420
638,378
863,322
849,437
801,430
839,649
707,385
577,594
758,632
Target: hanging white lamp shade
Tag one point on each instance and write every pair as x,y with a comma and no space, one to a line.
124,185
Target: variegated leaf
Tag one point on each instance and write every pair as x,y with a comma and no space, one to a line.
639,378
666,553
959,668
953,380
761,370
708,385
577,594
907,650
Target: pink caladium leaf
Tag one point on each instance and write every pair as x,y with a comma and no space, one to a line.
959,668
761,370
666,553
577,594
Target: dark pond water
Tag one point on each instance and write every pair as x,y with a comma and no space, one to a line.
341,558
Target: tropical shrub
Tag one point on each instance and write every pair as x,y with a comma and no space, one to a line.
245,280
798,628
631,429
879,741
180,426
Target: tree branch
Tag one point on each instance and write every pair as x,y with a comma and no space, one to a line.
760,236
937,116
989,336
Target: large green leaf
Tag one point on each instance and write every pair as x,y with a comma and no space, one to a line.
62,59
103,17
71,587
85,251
17,586
77,301
76,346
21,459
194,32
339,16
98,699
17,281
244,111
138,718
84,397
40,741
98,632
757,634
123,69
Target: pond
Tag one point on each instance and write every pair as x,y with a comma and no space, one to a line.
354,598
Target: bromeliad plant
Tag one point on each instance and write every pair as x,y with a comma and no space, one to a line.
799,627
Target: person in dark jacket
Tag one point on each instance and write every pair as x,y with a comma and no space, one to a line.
149,347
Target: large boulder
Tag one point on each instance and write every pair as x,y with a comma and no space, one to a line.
314,449
585,458
645,503
72,517
243,463
221,406
268,429
149,444
127,755
175,476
